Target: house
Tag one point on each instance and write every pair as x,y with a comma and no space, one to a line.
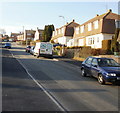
20,37
64,34
38,34
29,35
13,36
92,32
4,37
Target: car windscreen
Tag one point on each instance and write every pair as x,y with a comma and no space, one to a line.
43,46
8,44
108,63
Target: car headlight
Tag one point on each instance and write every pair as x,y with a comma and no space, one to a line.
111,74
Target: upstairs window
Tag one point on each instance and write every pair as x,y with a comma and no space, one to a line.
82,29
77,30
95,24
89,26
117,22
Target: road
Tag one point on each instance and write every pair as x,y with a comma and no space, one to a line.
41,84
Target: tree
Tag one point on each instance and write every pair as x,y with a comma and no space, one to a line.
47,33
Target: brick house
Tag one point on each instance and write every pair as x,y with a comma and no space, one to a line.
64,34
92,32
29,34
38,34
13,36
20,37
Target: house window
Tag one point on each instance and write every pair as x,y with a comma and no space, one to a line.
117,22
91,41
28,34
89,26
82,28
95,24
77,30
97,39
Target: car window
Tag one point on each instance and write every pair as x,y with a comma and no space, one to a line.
88,61
108,63
94,62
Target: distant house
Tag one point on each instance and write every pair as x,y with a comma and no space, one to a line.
64,34
20,37
92,32
29,34
38,34
4,37
13,36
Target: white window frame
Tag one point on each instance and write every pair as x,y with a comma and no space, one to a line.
117,23
77,29
98,40
82,28
89,26
96,24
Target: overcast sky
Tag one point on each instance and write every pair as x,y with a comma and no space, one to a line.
15,15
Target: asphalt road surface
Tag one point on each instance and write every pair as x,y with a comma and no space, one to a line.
41,84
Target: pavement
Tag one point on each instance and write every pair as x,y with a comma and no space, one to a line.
68,60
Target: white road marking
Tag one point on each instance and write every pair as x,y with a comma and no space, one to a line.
44,90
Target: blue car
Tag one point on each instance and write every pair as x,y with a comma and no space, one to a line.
7,45
104,69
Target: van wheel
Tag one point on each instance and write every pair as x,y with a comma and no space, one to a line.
100,79
37,56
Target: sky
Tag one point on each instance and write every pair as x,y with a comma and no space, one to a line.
15,15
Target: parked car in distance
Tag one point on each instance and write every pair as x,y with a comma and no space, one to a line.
32,50
27,49
104,69
7,45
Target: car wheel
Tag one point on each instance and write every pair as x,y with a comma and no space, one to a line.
83,73
100,79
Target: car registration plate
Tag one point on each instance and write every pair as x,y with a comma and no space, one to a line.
42,50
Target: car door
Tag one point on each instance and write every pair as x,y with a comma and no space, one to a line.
87,66
94,68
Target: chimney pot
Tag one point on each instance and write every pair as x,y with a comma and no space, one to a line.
110,10
97,14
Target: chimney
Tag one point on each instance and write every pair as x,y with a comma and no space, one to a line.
73,20
97,15
109,10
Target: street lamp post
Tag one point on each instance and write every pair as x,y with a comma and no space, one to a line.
63,18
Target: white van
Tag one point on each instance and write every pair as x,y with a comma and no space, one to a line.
43,49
